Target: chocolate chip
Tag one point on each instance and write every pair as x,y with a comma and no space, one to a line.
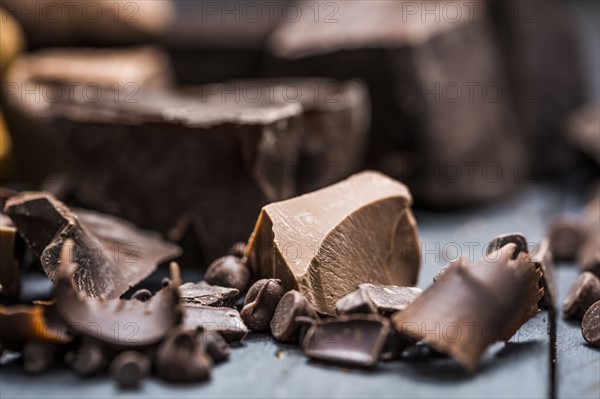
355,302
38,356
142,295
129,368
205,294
215,345
355,339
566,234
590,326
228,271
260,303
582,294
238,250
180,358
89,359
284,326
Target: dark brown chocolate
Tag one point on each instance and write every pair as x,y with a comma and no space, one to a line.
180,358
10,280
470,307
225,321
260,303
582,294
355,340
361,228
229,271
90,358
111,255
129,368
567,235
355,302
284,326
215,345
204,294
590,325
38,356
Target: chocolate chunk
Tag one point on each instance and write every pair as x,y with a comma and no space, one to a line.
582,294
111,254
10,280
204,294
361,229
238,250
470,307
225,321
90,358
566,234
181,358
284,326
355,302
543,258
142,295
129,368
395,345
138,323
215,345
590,326
260,303
38,356
388,299
229,271
356,340
20,324
512,238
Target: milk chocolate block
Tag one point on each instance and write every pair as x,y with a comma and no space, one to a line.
441,121
588,256
230,159
38,80
470,307
205,294
355,340
325,243
111,255
10,281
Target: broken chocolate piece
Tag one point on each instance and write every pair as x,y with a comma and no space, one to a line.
138,323
180,358
129,368
356,339
215,345
111,254
229,271
20,324
225,321
543,258
566,234
582,294
204,294
10,280
590,326
38,356
470,307
355,302
362,229
260,303
284,326
389,299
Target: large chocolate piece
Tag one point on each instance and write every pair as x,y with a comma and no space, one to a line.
137,323
225,321
582,294
10,281
441,119
37,81
204,294
470,307
355,340
325,243
111,254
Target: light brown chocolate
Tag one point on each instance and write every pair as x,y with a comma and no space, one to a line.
324,244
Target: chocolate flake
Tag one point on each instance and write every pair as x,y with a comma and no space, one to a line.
180,358
10,282
260,303
129,368
229,271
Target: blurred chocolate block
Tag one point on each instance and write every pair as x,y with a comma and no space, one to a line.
171,157
49,23
36,81
10,276
336,118
541,45
441,122
583,130
214,41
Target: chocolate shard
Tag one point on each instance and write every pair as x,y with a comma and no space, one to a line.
260,303
566,234
111,254
389,299
138,323
590,325
471,307
544,259
361,228
180,358
20,324
354,340
10,280
204,294
582,294
225,321
284,326
355,302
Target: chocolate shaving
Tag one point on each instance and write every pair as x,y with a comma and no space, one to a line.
111,254
181,358
471,307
